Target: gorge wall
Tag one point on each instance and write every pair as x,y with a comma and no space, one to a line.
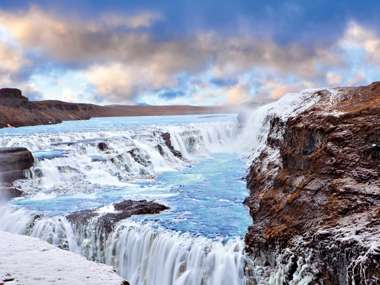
315,191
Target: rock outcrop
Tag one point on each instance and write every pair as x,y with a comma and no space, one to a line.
315,191
14,163
168,142
106,220
16,110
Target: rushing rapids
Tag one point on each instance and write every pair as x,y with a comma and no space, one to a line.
181,165
105,161
193,166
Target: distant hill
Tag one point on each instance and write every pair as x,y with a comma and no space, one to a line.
16,110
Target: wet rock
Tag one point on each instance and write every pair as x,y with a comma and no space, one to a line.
14,163
168,143
103,146
10,192
319,197
160,149
125,209
140,157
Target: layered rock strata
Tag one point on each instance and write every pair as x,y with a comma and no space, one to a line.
315,191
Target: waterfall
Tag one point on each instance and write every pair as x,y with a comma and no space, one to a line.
152,256
141,253
254,132
68,161
144,253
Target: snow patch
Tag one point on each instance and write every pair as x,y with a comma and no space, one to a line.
34,262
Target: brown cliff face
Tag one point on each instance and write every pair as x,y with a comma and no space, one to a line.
324,190
16,110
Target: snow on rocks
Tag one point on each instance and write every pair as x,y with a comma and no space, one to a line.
25,260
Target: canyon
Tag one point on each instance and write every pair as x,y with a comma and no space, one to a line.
314,192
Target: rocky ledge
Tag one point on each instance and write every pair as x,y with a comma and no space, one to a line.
107,217
14,164
315,192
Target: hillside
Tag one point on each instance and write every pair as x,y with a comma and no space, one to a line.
16,110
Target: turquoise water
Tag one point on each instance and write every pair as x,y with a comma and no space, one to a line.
205,195
204,199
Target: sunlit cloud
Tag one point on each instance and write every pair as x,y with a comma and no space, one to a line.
116,58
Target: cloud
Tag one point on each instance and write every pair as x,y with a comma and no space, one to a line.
360,37
223,81
119,58
120,82
275,88
73,40
238,94
333,79
171,94
11,63
144,19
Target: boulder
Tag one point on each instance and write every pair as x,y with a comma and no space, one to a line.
13,163
102,146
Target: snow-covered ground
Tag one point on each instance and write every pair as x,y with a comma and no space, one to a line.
34,262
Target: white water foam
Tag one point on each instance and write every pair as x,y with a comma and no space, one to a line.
141,253
72,162
252,138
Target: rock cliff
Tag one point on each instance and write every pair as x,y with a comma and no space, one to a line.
16,110
315,192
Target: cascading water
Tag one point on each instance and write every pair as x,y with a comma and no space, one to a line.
186,245
188,163
254,132
187,260
66,160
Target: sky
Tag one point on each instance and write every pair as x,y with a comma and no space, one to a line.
185,52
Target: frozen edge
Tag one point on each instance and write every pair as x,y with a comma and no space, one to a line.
34,262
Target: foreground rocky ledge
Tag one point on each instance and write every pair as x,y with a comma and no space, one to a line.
315,191
29,261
